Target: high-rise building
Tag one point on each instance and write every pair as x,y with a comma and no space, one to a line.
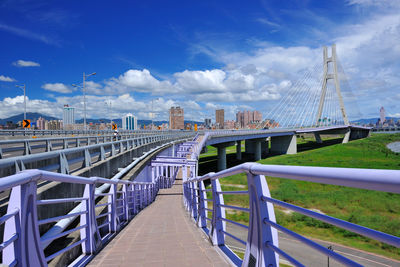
176,118
382,116
207,123
68,115
40,123
129,122
220,118
246,117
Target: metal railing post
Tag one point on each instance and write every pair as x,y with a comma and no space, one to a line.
90,232
23,198
48,146
217,224
112,208
194,200
125,201
259,233
87,162
202,212
28,149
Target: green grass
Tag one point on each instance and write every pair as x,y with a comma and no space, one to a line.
376,210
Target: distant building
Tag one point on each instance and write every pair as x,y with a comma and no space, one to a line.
40,123
382,116
68,115
229,125
129,122
176,118
53,125
220,118
207,123
246,117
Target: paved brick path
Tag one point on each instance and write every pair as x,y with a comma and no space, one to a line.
161,235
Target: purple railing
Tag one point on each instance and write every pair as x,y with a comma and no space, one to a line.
262,248
98,220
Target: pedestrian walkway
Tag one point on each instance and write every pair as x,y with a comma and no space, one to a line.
161,235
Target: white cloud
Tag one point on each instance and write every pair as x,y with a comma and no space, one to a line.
201,81
27,34
6,79
58,87
12,106
139,81
25,63
374,3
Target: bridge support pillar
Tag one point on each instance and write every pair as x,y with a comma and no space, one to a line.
264,148
346,137
318,138
248,146
239,150
222,154
221,158
257,149
286,144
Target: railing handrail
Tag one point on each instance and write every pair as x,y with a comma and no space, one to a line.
373,179
261,210
14,141
34,175
45,155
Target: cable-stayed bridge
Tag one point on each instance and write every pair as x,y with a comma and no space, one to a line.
316,98
139,201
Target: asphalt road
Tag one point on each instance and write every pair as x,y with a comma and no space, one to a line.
309,256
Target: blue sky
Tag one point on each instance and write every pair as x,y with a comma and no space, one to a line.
201,55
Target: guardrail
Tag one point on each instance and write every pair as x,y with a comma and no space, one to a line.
72,159
386,129
98,222
37,145
31,132
262,248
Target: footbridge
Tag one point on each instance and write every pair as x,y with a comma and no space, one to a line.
169,216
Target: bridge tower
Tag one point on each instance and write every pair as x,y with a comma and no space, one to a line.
331,61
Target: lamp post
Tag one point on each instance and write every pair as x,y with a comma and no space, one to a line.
23,88
108,103
84,96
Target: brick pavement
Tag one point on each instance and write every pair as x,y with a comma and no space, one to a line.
163,234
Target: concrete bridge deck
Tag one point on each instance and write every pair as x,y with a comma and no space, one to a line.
161,235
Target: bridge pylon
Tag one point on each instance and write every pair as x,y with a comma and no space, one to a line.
333,75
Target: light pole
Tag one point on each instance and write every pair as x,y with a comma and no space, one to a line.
108,103
23,88
84,96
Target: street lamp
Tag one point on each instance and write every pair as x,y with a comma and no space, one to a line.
84,96
23,88
108,103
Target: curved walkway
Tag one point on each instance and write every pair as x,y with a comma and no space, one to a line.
161,235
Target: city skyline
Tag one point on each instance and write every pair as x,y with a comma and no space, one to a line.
205,66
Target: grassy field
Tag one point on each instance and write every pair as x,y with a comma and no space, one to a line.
376,210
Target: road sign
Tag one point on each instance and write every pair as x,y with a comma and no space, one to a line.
114,126
26,123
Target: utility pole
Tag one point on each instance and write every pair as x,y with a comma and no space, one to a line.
84,96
